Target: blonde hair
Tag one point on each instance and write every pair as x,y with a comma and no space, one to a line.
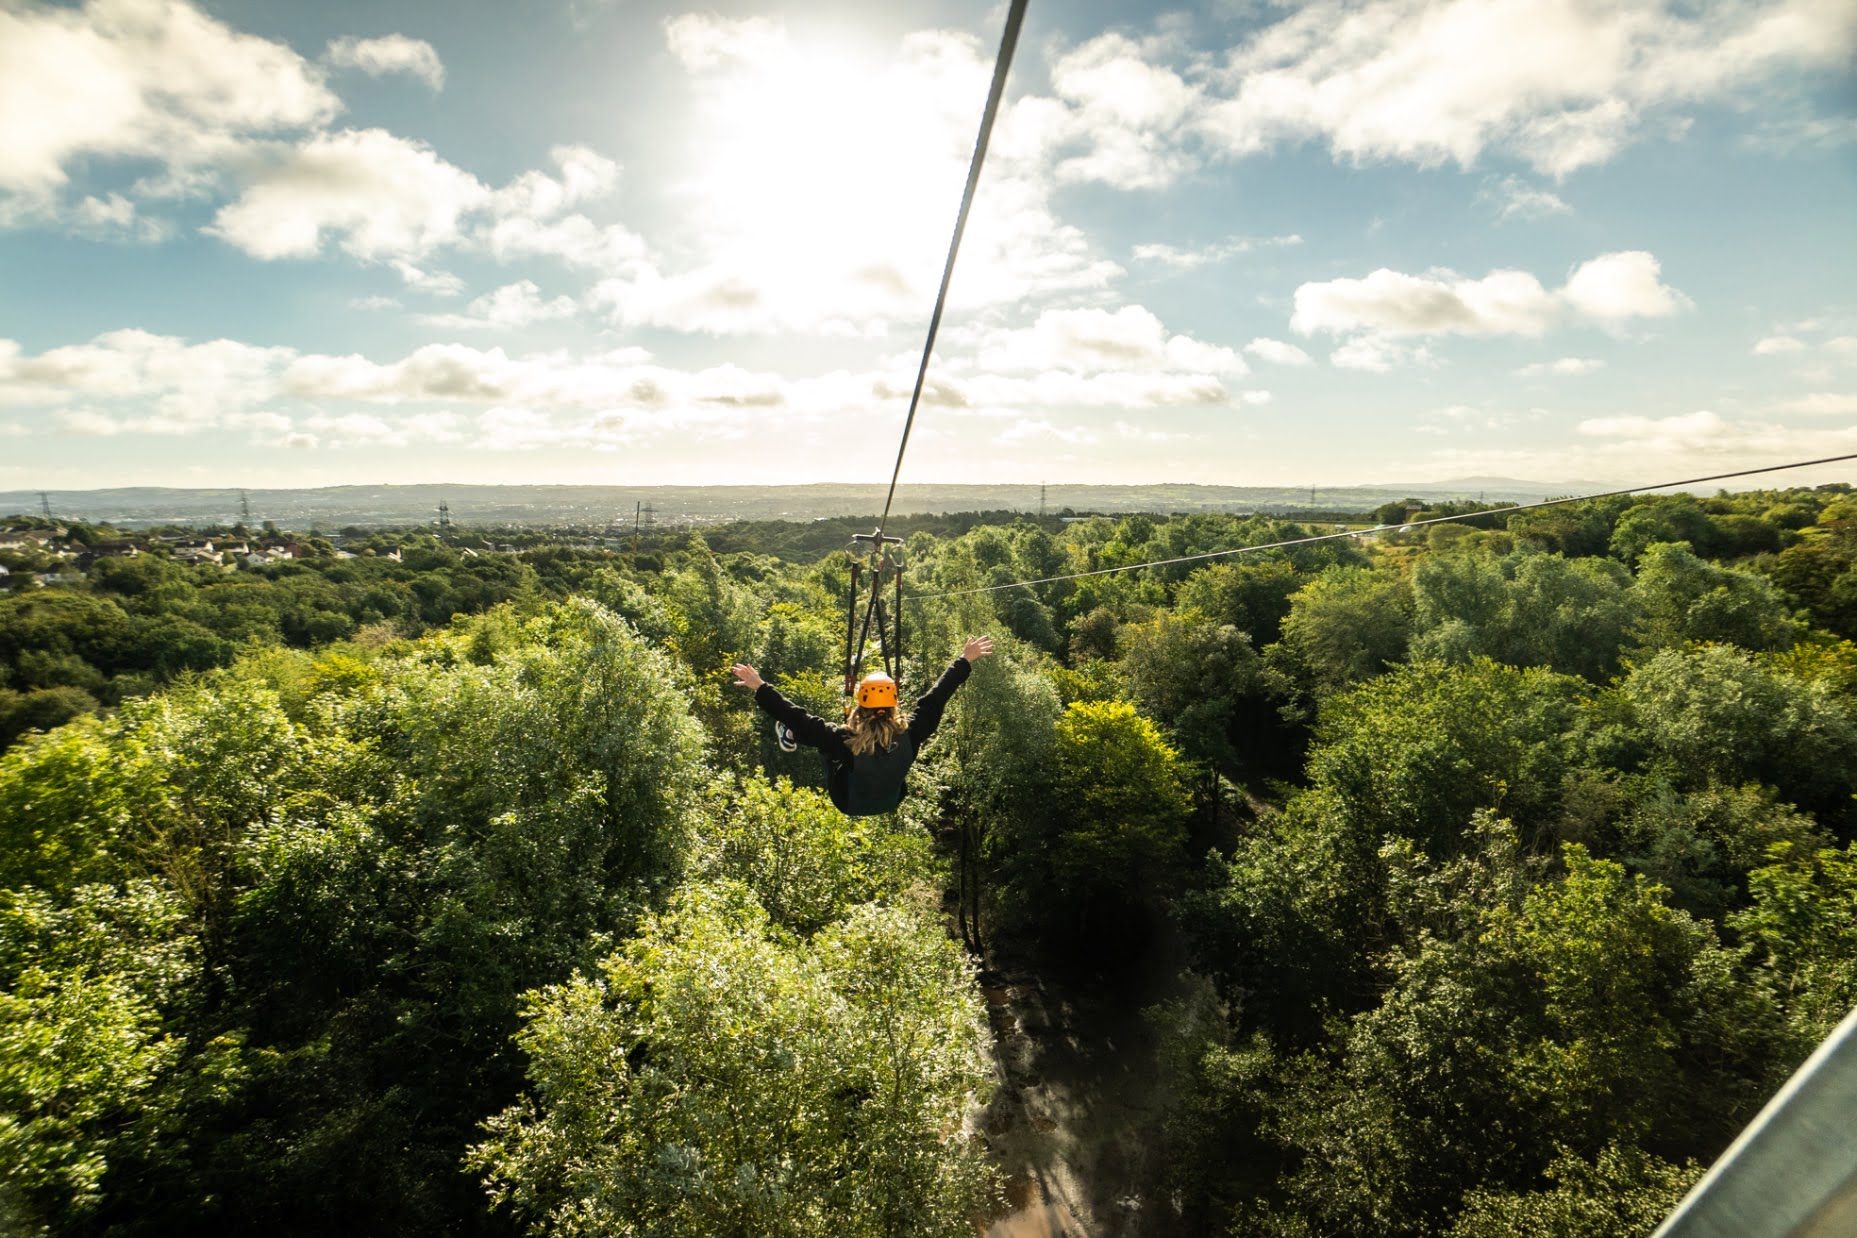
872,730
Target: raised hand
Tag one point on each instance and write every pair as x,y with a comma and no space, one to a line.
747,677
977,647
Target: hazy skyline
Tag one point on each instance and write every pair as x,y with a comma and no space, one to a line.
633,244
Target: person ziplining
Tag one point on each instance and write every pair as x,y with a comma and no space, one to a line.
868,758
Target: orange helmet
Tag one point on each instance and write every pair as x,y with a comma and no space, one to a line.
876,691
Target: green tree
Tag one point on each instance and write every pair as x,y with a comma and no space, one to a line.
1206,681
1571,615
1525,1020
721,1079
1702,844
85,1050
1681,598
1623,1192
1802,928
807,863
1415,752
1665,518
994,756
40,709
1346,625
1254,597
1107,849
1715,713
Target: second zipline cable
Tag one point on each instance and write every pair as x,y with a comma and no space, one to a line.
1335,537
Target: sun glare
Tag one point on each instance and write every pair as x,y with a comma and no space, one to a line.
824,171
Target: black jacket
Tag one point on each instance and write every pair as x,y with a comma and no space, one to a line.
829,739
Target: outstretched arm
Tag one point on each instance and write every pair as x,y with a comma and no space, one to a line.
928,711
808,729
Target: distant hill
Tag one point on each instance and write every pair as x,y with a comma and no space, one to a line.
333,507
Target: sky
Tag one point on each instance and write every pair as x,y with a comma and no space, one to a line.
634,243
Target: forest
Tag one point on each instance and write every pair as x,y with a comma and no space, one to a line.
1480,879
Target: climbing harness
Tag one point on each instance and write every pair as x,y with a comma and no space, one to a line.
879,557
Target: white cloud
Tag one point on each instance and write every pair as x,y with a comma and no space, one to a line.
1378,354
622,380
528,219
342,430
1823,404
1466,418
1111,389
1843,345
178,387
1778,345
140,79
88,422
162,81
1043,430
1614,287
585,176
1122,111
437,283
1277,352
1515,198
1145,434
385,198
513,305
1606,290
705,42
1393,303
133,382
393,53
380,196
1646,449
1206,255
519,429
95,423
115,217
373,303
1708,435
1565,367
1559,83
1094,340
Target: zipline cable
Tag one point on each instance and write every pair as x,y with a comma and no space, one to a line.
1008,43
1009,40
1332,537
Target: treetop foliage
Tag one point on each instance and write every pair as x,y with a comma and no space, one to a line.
1493,874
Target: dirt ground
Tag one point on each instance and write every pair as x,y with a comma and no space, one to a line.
1074,1118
